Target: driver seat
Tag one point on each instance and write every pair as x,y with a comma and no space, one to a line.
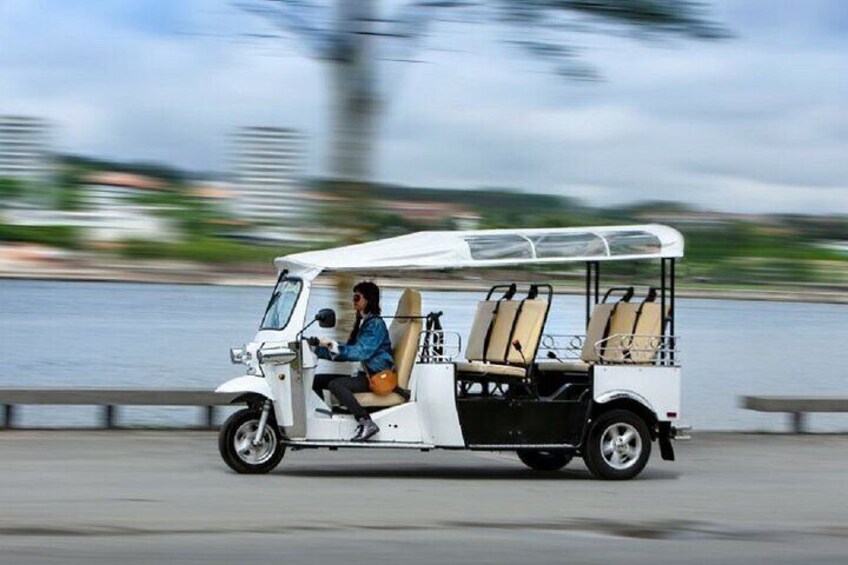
405,334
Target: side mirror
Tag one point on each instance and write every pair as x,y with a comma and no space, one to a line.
326,318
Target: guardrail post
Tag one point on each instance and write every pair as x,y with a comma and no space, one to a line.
109,416
210,417
9,417
798,420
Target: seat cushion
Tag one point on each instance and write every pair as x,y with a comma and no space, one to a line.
564,367
489,369
371,400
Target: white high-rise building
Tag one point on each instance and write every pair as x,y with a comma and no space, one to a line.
24,149
268,176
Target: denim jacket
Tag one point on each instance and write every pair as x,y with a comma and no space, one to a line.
372,347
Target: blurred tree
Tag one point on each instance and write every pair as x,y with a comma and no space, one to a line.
10,189
351,36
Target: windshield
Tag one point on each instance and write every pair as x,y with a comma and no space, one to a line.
282,304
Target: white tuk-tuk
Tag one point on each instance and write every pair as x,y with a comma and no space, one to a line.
604,396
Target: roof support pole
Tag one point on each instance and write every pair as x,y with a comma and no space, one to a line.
597,282
672,313
588,291
664,339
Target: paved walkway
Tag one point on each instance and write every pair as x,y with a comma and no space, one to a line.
138,497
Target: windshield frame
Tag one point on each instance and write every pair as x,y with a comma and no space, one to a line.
280,280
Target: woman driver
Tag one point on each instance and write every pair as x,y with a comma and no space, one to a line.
368,343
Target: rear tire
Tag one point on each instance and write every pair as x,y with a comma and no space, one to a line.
237,451
618,446
541,460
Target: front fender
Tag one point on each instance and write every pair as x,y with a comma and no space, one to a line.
247,384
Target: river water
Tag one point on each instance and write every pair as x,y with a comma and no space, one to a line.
70,334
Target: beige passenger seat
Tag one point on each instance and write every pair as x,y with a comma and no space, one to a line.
621,328
521,320
405,334
648,333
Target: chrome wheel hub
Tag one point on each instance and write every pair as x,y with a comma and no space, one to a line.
621,446
246,450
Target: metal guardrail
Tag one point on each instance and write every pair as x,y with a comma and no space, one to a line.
110,399
797,406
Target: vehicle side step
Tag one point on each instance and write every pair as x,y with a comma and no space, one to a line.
335,444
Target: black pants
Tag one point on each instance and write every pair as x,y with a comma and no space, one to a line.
343,387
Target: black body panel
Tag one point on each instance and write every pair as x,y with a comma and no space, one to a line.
527,421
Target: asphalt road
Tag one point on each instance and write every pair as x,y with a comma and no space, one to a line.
142,497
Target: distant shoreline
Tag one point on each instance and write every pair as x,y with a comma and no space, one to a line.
267,280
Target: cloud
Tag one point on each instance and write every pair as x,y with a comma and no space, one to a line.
754,124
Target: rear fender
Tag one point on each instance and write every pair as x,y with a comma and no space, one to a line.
613,395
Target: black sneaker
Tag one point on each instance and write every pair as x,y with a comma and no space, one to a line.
366,429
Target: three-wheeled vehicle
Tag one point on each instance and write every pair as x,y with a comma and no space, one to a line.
605,395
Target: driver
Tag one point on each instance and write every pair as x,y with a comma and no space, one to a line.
368,343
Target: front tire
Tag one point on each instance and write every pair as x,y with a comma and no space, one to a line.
618,446
237,450
540,460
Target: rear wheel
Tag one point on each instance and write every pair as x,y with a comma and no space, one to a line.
541,460
235,442
618,446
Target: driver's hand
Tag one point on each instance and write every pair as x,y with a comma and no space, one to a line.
325,343
313,341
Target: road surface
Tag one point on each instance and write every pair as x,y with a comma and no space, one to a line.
102,497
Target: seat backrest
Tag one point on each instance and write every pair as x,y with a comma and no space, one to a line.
475,350
621,325
596,331
648,332
528,331
405,334
501,333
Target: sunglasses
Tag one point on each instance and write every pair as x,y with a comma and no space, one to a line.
357,297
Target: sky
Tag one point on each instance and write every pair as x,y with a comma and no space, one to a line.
754,124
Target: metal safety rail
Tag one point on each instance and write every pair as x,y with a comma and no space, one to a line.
110,399
627,349
439,346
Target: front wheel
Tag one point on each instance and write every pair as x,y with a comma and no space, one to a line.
235,442
618,446
540,460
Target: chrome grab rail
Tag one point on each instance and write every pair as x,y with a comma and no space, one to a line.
624,349
565,347
439,346
638,349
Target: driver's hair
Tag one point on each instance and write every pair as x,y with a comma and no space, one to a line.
371,293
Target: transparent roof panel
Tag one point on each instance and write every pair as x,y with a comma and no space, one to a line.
633,243
564,245
499,246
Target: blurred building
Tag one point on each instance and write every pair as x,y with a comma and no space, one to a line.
431,213
24,149
111,191
268,183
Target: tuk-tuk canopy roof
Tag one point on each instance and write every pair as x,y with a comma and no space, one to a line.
491,248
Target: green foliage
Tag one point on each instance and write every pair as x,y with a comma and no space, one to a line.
203,250
10,189
54,236
155,170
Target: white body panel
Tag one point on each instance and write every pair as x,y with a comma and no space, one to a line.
435,394
656,387
429,419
